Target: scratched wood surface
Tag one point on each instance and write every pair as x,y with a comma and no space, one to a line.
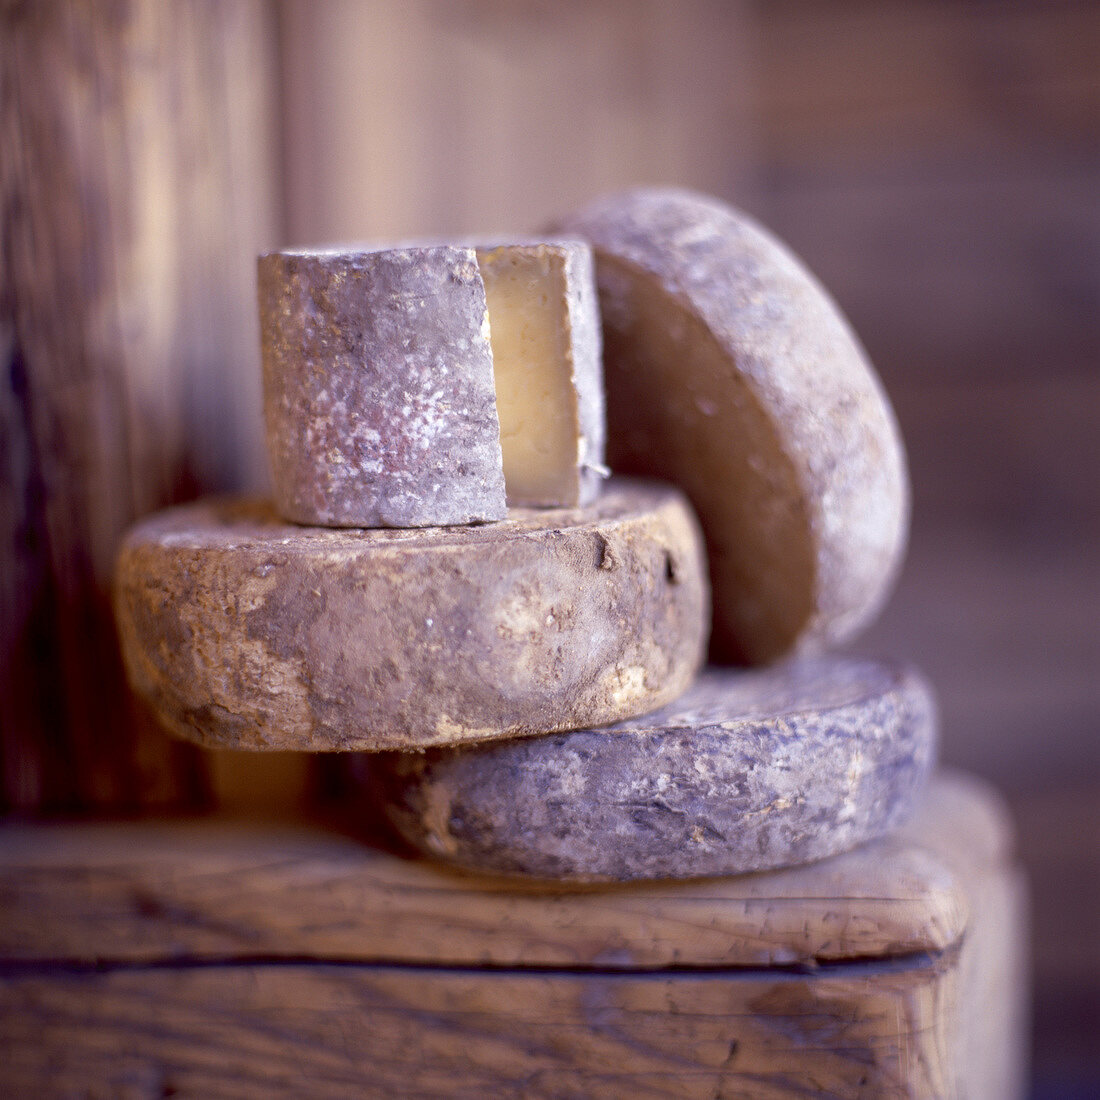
218,957
209,890
324,1031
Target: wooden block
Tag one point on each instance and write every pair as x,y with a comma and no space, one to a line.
748,770
243,631
219,959
242,1031
732,373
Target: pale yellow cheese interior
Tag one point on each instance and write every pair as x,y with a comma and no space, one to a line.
525,287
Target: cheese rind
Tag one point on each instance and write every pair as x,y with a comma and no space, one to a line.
381,371
731,373
243,631
748,770
378,387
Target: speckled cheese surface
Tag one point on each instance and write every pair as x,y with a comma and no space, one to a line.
244,631
391,400
378,388
732,373
749,770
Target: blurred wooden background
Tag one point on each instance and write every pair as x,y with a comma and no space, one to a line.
937,164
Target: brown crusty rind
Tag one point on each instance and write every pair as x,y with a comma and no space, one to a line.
245,632
379,401
732,373
750,770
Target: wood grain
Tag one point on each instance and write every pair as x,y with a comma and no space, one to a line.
902,76
136,189
325,1031
220,960
209,891
435,116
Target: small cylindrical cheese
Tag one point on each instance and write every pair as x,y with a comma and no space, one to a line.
378,387
244,631
429,385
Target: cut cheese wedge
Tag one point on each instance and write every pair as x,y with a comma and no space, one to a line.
542,320
430,385
244,631
732,373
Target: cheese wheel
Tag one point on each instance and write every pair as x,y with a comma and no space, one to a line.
243,631
429,385
751,769
730,372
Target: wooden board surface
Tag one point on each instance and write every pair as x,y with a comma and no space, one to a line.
249,1031
213,958
216,891
501,112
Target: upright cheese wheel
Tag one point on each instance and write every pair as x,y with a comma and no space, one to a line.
731,373
428,385
246,632
750,769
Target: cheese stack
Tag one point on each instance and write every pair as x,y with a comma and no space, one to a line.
439,565
445,580
731,373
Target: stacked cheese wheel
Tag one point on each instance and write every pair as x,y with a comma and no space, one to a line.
448,578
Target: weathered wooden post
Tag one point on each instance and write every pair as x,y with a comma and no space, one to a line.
137,183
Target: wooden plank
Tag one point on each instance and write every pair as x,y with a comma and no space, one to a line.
1060,846
1066,883
326,1031
145,892
936,165
136,187
1009,457
897,75
952,265
426,116
348,970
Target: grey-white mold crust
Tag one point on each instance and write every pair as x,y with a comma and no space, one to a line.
749,770
379,400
